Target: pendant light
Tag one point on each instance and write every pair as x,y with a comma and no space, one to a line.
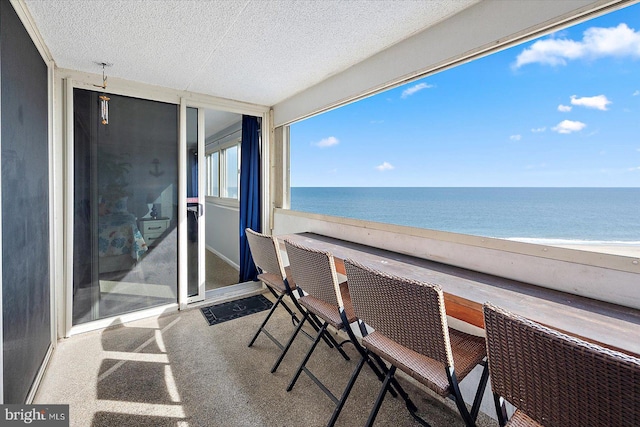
104,99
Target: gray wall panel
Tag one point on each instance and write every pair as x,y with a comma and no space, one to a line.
25,206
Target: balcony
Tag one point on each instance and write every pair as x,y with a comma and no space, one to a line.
176,370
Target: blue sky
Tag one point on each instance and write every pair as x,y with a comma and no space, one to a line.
560,111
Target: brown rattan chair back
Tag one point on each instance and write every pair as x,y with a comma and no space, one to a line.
408,312
559,380
315,272
265,253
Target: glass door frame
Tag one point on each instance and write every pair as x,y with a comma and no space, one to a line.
71,79
203,103
183,279
65,304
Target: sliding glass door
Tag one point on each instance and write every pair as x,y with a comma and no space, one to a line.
125,239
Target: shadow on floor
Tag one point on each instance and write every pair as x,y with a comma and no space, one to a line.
177,370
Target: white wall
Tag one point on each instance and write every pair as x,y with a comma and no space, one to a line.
222,232
223,217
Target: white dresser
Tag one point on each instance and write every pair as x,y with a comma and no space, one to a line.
151,229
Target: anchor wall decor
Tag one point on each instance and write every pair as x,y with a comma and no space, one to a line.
156,172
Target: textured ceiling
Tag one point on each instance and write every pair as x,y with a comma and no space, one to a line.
256,51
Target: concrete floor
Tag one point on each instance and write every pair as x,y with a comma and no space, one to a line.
177,370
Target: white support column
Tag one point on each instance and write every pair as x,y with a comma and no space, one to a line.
266,189
67,303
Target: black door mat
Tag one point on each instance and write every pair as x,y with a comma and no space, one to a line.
234,309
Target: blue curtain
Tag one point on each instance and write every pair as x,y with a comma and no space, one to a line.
249,192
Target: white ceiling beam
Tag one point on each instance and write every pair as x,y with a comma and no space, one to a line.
475,31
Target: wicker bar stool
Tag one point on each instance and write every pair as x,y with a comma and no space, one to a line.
557,380
328,303
411,334
277,278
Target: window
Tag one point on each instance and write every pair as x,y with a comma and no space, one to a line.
223,172
535,143
231,172
213,174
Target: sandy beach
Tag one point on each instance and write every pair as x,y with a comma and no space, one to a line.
630,250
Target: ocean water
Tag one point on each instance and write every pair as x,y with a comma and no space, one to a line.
538,215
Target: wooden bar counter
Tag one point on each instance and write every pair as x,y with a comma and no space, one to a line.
465,291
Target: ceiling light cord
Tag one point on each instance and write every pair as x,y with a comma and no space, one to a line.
104,78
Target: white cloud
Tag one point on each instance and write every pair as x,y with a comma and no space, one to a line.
634,169
564,108
515,137
596,42
413,89
569,126
385,166
598,102
538,130
550,52
636,93
327,142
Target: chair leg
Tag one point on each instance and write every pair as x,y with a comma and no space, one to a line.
331,341
396,386
266,319
411,407
294,318
345,393
501,410
288,345
383,391
457,397
311,322
477,400
363,352
330,337
322,330
363,328
295,321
